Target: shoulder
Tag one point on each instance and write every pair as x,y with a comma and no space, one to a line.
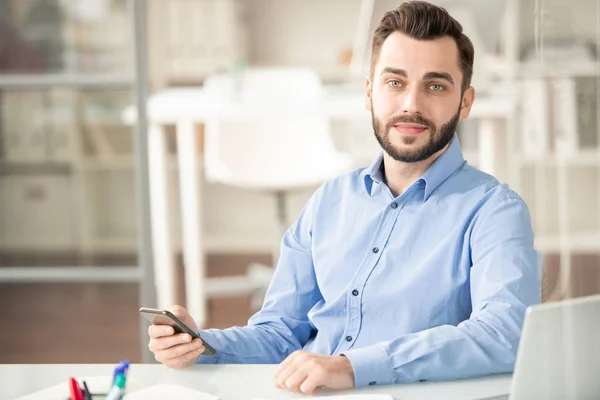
478,189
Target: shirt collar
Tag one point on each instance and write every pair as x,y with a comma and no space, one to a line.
439,171
374,174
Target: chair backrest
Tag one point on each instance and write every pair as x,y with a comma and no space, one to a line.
281,87
276,136
271,151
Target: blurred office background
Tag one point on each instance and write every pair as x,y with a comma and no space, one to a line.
96,222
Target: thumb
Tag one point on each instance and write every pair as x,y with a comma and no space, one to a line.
184,316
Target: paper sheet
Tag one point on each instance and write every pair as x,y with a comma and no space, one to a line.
156,392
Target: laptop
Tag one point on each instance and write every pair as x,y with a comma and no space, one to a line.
559,352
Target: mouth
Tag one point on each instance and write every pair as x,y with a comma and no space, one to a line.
410,129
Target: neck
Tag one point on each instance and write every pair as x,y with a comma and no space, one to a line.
400,175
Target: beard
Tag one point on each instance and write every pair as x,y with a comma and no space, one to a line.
439,137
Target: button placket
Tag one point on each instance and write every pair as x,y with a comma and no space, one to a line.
354,301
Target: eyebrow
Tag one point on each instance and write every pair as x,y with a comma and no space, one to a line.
395,71
430,75
439,75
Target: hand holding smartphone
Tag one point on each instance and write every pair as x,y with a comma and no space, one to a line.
165,317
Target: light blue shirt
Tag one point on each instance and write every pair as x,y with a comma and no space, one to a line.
430,285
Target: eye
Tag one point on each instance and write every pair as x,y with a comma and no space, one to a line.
436,87
394,84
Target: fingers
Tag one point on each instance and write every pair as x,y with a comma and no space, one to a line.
307,373
312,384
165,342
156,331
293,371
304,377
295,379
184,360
292,358
177,351
180,353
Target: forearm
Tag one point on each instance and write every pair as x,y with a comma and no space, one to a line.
256,344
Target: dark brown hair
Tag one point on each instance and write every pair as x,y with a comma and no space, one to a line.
424,21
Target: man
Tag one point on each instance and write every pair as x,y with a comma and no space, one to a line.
416,268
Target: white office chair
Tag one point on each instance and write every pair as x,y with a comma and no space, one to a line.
276,139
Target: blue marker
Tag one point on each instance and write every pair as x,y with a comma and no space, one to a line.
120,369
118,388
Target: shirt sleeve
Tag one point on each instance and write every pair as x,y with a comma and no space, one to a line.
505,279
281,326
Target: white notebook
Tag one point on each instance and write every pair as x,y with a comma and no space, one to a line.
161,392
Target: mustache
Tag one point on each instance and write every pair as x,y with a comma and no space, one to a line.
410,119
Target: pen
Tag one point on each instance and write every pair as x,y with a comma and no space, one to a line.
117,391
76,393
121,368
87,395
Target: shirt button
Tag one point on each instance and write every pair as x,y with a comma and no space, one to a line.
375,250
372,383
355,292
348,338
394,205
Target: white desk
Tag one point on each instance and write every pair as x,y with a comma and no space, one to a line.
188,107
232,382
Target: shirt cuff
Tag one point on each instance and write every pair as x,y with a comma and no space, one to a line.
212,341
371,366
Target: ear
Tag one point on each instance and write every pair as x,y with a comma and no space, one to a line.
368,94
467,102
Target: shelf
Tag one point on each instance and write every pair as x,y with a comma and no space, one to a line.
34,168
122,163
70,274
111,244
47,81
117,163
215,243
582,243
236,243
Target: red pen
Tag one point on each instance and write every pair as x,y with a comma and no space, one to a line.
76,393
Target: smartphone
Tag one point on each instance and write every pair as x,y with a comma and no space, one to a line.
165,317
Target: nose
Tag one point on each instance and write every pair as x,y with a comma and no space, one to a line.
411,101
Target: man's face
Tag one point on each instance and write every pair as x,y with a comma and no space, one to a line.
414,96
